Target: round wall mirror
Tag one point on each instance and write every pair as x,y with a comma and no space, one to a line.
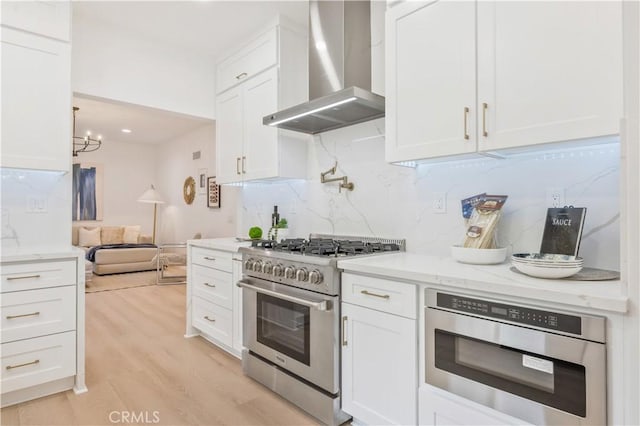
189,190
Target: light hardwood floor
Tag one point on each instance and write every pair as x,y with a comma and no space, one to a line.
139,362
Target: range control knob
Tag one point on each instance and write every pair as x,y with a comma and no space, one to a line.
278,270
302,274
257,266
315,277
289,272
267,268
248,265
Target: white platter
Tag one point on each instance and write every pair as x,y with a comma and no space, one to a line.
546,272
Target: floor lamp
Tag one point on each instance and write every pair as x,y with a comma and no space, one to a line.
152,196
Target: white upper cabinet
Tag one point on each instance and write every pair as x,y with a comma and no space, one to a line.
520,74
272,75
49,18
430,88
36,102
549,71
257,56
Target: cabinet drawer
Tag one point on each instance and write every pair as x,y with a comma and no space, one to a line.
40,360
31,275
34,313
381,294
255,57
212,258
213,285
213,320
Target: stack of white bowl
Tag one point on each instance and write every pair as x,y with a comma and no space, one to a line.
543,265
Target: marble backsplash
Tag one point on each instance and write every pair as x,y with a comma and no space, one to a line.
397,202
26,228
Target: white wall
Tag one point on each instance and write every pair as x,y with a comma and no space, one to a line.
35,231
393,201
179,221
128,170
113,63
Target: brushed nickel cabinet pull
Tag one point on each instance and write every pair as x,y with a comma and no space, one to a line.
244,164
33,314
237,165
209,258
382,296
344,331
11,367
466,128
241,76
484,119
210,285
209,319
24,277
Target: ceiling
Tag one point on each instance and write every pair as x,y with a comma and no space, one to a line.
147,125
204,27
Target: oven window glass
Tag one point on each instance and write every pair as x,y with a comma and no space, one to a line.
549,381
284,326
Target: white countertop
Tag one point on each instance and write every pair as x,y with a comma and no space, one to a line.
22,254
498,279
225,244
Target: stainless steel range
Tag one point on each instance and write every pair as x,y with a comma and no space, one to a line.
291,317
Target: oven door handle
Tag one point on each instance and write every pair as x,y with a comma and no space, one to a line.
321,306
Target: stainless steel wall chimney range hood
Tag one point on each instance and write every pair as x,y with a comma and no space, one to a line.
339,71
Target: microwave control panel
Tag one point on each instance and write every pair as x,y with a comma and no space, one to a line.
512,313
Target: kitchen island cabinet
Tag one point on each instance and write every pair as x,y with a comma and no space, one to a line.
214,305
379,350
546,72
264,76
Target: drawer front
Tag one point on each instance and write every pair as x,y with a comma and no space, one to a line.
212,258
383,295
40,360
257,56
33,275
34,313
213,285
213,320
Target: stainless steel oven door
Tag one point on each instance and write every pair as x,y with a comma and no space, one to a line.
295,329
539,377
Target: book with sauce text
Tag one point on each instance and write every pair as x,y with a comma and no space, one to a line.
563,230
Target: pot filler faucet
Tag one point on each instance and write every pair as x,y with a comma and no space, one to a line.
345,181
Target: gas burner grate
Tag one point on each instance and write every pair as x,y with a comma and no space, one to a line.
265,244
291,245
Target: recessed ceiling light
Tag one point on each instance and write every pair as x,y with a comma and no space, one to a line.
126,130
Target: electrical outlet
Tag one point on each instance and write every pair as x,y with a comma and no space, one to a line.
36,204
439,202
555,197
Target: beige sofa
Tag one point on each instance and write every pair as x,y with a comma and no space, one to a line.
116,261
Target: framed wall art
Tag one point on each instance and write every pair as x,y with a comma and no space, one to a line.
87,191
213,193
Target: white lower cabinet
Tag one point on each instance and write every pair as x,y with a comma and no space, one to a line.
237,304
438,407
379,354
42,327
213,298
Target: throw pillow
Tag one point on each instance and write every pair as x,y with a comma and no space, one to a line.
112,234
131,234
89,237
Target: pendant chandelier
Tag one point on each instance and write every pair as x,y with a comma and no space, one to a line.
84,143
